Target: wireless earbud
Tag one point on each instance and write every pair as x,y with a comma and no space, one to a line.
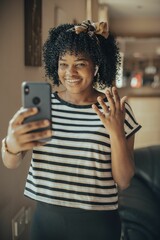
96,70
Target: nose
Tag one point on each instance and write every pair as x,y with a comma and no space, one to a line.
71,70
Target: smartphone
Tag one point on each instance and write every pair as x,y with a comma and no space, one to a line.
37,94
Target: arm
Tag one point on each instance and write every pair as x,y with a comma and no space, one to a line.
122,160
121,148
20,139
11,160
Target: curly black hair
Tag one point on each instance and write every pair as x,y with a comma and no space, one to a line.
103,52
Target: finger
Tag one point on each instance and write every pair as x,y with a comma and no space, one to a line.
103,105
109,89
116,98
35,125
123,100
98,112
111,101
36,136
23,113
31,145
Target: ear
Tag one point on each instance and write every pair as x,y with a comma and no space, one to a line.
96,70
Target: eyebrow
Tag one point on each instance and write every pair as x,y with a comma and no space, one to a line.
78,59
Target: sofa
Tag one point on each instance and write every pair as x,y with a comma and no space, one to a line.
139,204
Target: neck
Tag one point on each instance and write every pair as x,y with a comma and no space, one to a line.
79,98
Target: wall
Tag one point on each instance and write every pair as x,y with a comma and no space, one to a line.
145,102
135,27
147,111
12,73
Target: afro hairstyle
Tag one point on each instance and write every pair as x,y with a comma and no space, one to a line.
103,52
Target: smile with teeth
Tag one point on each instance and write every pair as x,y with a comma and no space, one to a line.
73,80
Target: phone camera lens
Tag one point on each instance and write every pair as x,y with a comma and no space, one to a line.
26,90
36,100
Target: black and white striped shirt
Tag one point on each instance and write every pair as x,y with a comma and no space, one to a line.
74,168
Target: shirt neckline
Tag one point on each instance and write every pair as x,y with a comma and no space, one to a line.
75,105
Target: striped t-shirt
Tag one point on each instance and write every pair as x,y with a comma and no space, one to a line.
74,168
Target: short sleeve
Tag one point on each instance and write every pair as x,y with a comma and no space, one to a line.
130,124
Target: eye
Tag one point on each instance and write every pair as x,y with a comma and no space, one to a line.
80,65
62,65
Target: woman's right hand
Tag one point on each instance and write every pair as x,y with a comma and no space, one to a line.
19,137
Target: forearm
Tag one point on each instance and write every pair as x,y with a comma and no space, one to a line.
122,159
113,116
11,160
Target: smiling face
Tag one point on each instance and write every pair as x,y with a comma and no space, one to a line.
76,73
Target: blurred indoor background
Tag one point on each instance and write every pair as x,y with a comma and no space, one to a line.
136,27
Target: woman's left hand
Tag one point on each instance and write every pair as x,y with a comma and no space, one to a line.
112,116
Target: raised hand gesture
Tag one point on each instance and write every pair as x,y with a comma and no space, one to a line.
112,115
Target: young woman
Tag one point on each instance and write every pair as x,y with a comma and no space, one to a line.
75,177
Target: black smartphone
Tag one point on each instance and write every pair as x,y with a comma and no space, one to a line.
37,94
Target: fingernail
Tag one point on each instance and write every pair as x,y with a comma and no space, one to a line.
99,99
34,109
